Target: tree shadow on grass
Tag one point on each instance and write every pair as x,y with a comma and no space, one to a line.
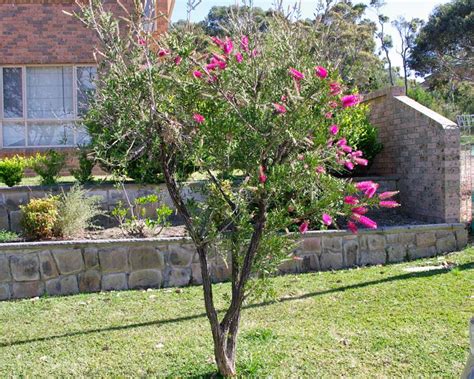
412,275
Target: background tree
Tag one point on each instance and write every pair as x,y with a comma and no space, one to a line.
407,30
386,42
252,105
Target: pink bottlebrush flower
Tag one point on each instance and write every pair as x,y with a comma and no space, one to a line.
352,227
367,222
332,104
296,74
304,227
334,129
327,220
359,210
335,89
389,204
361,161
255,53
341,142
212,79
328,115
349,165
346,148
218,42
351,200
197,74
239,57
356,154
283,98
228,46
177,60
163,52
262,178
388,195
141,41
244,43
211,66
321,72
368,187
350,100
320,170
279,108
199,118
222,64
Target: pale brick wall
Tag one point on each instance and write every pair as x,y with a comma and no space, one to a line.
422,148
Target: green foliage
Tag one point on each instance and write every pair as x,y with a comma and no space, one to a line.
76,212
8,236
11,170
48,166
83,174
434,100
134,221
39,218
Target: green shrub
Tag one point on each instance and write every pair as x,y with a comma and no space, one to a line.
12,169
39,218
76,211
83,174
49,166
7,236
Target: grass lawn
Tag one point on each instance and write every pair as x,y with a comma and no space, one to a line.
371,322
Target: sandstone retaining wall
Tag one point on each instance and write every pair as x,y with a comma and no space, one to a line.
62,268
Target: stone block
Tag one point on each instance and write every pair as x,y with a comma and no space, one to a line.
407,238
48,267
370,257
396,253
89,281
14,199
196,274
22,290
64,285
4,291
91,258
180,256
220,273
311,244
446,244
376,242
145,279
68,261
146,257
25,267
331,260
425,239
393,239
4,223
421,252
15,218
114,282
332,243
290,266
351,251
114,259
5,275
309,262
179,277
461,238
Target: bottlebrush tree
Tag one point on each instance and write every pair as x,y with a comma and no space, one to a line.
244,107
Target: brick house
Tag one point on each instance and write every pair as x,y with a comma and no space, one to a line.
46,69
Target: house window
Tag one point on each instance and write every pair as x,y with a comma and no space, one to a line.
149,15
43,106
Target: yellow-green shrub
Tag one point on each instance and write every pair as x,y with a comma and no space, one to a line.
11,170
39,218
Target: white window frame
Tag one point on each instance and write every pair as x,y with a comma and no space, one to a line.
75,120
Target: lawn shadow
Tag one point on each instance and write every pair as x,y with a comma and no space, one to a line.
411,275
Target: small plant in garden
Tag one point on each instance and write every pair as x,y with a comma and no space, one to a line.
12,169
133,220
76,212
254,102
7,236
48,166
39,218
83,174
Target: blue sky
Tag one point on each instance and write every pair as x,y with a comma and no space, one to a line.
393,9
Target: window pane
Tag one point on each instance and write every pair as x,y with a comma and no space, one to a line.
149,13
42,134
82,137
12,93
13,134
49,92
85,88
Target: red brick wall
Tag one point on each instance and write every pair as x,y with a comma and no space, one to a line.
38,32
